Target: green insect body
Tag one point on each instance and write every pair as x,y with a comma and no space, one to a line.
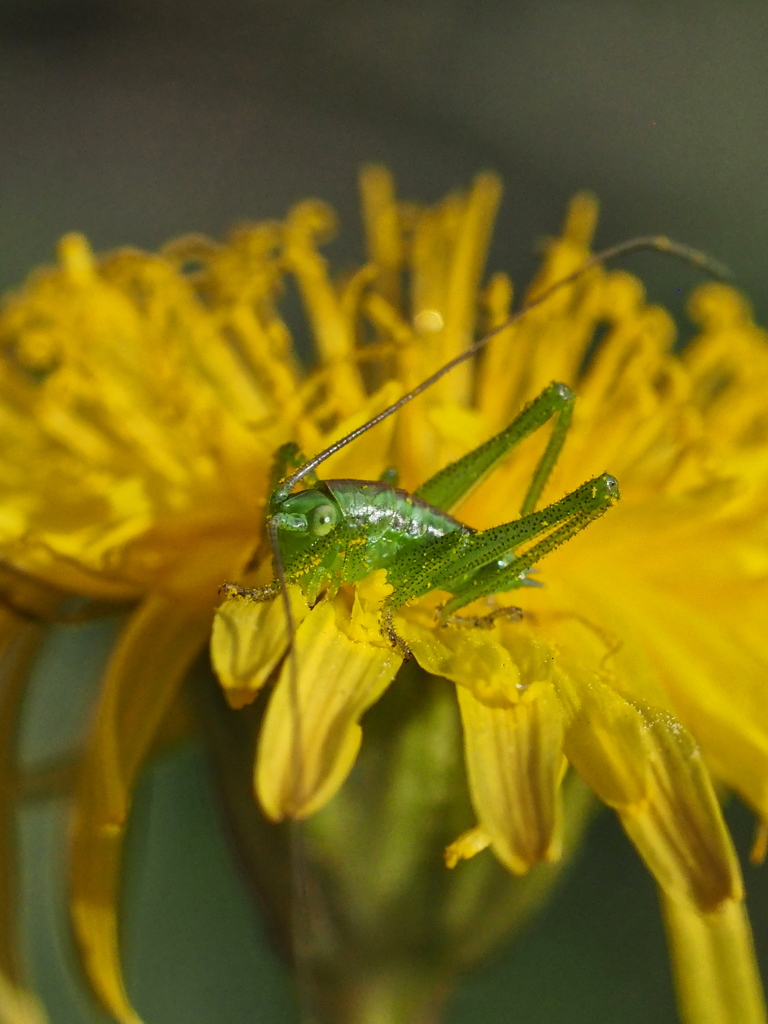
341,530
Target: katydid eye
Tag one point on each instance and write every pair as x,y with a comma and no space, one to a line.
324,518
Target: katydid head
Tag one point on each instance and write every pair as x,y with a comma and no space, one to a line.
304,525
314,513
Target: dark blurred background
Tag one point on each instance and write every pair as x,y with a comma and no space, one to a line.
134,120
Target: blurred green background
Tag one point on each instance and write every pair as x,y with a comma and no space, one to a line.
135,120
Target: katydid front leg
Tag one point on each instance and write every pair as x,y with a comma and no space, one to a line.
287,458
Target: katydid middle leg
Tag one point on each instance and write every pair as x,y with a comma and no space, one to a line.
457,481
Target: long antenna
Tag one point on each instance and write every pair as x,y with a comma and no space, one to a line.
657,243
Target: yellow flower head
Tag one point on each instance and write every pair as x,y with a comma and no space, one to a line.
142,399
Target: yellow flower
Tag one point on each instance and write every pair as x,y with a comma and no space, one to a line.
626,657
142,398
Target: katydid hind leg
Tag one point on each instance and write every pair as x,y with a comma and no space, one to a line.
452,562
456,482
479,550
496,574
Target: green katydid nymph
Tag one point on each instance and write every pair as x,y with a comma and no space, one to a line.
339,531
342,530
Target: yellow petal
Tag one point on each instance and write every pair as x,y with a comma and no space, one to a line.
382,230
19,1006
683,644
679,830
309,223
156,648
18,643
604,740
515,763
248,640
716,677
604,737
468,845
463,278
364,624
472,658
713,959
638,759
310,737
759,849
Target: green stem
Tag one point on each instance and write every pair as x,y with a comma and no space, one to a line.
385,930
393,998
